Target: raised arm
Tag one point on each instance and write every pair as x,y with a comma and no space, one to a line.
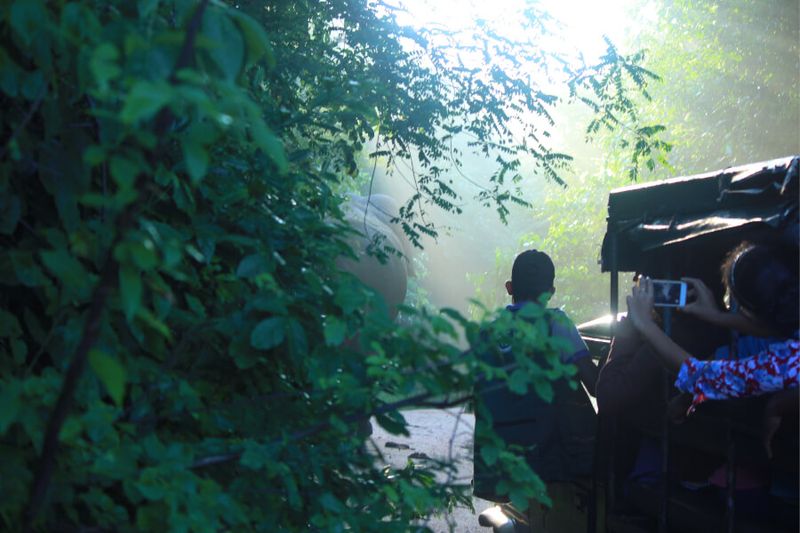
640,312
703,306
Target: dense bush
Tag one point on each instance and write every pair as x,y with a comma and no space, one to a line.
178,350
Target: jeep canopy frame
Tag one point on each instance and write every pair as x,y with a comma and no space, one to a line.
647,221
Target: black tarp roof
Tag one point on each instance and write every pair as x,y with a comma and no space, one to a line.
649,217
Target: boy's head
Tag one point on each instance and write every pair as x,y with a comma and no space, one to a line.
532,274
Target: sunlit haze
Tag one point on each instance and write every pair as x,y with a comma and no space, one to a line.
581,24
708,76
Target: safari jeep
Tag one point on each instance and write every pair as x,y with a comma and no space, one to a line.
682,227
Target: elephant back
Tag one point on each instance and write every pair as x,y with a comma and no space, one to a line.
372,219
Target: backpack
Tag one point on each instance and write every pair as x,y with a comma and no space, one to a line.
558,438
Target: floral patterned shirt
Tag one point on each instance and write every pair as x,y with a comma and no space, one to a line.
774,369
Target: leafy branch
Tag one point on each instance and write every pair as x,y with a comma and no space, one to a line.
106,284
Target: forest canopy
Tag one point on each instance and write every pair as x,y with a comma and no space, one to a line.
179,350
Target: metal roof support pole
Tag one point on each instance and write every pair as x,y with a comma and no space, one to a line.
730,475
614,281
730,466
663,517
610,499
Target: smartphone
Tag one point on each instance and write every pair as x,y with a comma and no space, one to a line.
669,293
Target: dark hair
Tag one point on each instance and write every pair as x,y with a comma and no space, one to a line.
531,275
764,280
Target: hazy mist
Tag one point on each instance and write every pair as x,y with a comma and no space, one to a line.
728,96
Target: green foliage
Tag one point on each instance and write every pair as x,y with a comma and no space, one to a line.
603,88
731,94
170,186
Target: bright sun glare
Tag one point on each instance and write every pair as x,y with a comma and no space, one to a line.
583,22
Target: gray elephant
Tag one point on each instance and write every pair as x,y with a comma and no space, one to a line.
372,218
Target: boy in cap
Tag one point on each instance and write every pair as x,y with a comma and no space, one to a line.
532,275
558,436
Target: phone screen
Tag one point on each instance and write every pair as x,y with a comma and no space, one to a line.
668,293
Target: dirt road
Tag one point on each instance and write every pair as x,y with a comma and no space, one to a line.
439,434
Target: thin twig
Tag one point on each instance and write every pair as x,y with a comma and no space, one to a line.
416,184
371,181
25,120
45,342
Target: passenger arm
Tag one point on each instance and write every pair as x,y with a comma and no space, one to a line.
705,308
640,311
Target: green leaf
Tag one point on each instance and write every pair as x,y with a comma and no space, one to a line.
255,37
153,322
10,402
130,289
292,492
349,297
298,342
27,17
34,326
331,503
94,155
489,454
111,374
151,484
145,100
518,381
33,85
19,350
268,333
66,268
254,456
334,331
393,422
10,75
544,389
195,305
103,65
9,325
147,7
269,304
196,159
253,265
270,144
227,49
144,255
10,213
519,497
124,171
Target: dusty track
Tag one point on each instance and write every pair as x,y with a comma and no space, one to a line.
437,434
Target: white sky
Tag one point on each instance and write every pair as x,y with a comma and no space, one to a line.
584,22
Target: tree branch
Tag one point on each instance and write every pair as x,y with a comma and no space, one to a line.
46,464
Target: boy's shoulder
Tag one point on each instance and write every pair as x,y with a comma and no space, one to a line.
561,316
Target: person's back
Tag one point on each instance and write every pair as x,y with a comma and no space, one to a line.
556,437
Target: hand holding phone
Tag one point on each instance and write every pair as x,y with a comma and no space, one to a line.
669,293
701,301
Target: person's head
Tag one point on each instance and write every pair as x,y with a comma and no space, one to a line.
531,275
763,280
